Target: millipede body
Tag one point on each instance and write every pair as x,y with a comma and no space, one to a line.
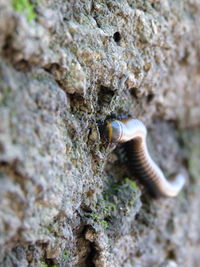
133,133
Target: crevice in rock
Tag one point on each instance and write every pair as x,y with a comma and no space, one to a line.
105,95
90,236
89,262
10,169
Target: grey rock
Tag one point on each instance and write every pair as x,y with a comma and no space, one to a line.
66,198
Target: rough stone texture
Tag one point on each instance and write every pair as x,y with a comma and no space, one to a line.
66,199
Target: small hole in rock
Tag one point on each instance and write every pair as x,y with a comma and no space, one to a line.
116,37
150,97
134,92
171,254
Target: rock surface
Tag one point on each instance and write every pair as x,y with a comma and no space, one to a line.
67,199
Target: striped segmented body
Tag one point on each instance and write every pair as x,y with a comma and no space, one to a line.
133,132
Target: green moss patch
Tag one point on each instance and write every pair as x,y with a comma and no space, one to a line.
116,201
25,7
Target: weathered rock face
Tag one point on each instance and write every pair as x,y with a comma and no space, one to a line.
67,199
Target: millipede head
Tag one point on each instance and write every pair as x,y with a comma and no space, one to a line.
110,131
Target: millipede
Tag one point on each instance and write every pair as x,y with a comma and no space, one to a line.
133,133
